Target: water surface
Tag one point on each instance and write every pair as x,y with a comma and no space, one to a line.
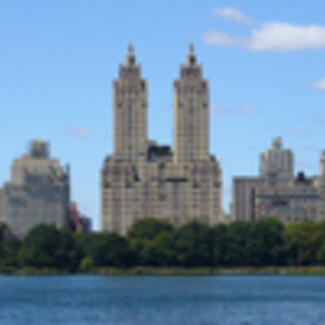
159,300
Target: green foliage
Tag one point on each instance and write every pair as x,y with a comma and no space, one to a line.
86,264
238,238
152,242
9,247
47,247
193,244
105,249
302,241
219,245
148,228
150,239
265,244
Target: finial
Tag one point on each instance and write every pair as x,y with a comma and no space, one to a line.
130,58
130,49
190,49
190,59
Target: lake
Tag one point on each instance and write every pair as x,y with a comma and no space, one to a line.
162,300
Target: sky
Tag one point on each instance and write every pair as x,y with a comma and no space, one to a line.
264,61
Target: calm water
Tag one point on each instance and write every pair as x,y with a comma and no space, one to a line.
162,300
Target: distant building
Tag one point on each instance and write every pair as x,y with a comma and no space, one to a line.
78,223
294,200
142,179
243,194
276,162
1,205
38,192
276,192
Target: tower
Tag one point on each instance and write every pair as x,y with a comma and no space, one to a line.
130,111
157,184
191,113
276,162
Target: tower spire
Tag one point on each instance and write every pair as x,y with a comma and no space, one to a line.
190,58
130,58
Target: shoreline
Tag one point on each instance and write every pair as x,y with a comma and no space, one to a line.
175,271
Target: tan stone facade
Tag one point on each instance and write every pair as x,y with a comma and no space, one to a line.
277,193
156,183
276,161
294,200
38,193
130,111
191,113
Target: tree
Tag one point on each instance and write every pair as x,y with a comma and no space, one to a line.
265,243
194,244
219,245
9,246
238,236
149,238
148,228
45,246
302,241
106,249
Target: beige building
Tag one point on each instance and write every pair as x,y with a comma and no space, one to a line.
294,200
277,193
38,192
276,162
191,113
142,179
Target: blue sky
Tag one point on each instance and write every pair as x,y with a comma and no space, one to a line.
264,62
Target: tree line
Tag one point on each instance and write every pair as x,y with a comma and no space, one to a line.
152,242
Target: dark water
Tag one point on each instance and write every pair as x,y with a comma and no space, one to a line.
162,300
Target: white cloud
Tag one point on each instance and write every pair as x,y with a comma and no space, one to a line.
248,110
300,132
319,119
77,132
218,110
319,84
273,36
215,38
234,15
277,36
244,110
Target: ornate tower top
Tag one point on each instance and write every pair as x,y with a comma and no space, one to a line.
277,143
39,149
322,164
130,58
190,58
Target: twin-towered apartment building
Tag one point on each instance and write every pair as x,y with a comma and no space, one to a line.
143,179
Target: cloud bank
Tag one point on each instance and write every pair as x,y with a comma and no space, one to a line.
77,132
233,14
269,36
244,110
319,84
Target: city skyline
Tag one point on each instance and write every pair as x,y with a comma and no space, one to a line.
59,89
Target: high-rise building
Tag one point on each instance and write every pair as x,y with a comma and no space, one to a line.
296,199
78,223
191,113
142,179
277,193
38,192
276,162
130,111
